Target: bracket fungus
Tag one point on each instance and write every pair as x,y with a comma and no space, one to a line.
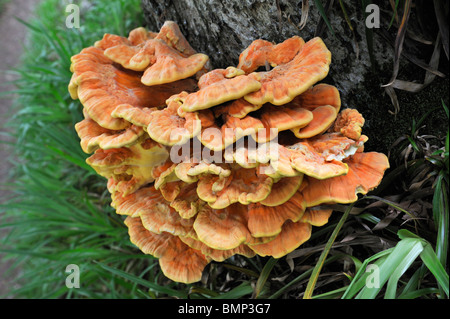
205,164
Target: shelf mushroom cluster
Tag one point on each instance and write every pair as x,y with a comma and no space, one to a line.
208,163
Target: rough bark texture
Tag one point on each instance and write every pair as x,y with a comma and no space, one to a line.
222,29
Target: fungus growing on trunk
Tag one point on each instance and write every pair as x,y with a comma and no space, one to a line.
262,52
206,164
286,81
219,86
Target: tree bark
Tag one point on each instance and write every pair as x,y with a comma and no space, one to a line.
222,29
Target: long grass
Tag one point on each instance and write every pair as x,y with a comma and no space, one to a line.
60,212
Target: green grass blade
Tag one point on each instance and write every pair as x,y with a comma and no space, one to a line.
393,263
362,276
441,218
431,260
264,276
445,108
324,15
414,282
416,294
402,267
318,267
243,270
337,293
240,291
202,291
386,269
393,14
299,278
347,19
392,204
153,286
369,35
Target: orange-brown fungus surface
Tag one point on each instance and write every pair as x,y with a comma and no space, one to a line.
205,164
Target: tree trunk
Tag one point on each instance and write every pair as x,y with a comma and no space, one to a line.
222,29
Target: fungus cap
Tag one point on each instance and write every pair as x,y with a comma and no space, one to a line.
285,81
161,218
170,66
243,186
318,95
305,159
101,87
316,217
129,168
349,122
139,92
168,128
220,91
261,52
171,34
133,204
365,171
218,254
182,263
292,235
322,118
283,190
223,228
178,261
265,221
238,108
93,136
186,202
336,146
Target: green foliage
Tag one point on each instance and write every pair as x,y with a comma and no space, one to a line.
409,253
60,213
391,264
